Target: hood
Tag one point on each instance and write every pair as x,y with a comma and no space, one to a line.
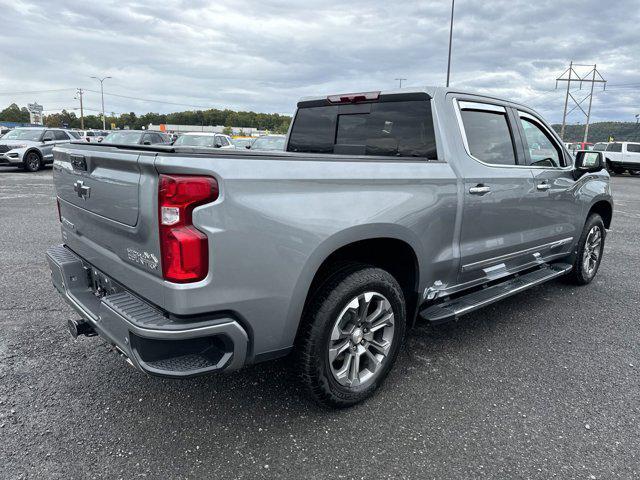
9,143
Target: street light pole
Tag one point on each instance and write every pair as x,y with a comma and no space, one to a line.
453,2
101,80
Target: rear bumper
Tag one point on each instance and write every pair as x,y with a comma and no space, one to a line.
153,341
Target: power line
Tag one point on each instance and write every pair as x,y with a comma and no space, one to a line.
152,100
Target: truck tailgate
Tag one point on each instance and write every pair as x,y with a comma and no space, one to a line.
104,182
108,208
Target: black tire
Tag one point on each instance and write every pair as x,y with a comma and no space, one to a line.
32,162
581,274
322,316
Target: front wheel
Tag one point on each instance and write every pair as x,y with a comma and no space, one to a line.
32,162
590,249
351,334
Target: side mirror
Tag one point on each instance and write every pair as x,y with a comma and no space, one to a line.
48,139
218,145
588,161
248,147
146,142
100,139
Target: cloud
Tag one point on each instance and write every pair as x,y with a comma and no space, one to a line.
263,56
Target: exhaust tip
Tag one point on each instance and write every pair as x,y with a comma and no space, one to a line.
80,327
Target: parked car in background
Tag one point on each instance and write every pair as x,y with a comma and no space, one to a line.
269,143
243,142
32,147
136,137
621,156
93,135
204,139
384,207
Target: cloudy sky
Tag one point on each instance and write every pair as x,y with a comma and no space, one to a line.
174,55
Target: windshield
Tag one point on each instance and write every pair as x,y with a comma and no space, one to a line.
23,134
123,138
268,143
195,140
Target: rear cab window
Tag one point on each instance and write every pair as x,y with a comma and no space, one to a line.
393,125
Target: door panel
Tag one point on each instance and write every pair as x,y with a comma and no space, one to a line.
556,213
496,224
499,194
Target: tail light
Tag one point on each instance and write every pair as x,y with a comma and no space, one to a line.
184,249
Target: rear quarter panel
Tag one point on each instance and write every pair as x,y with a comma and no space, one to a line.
278,218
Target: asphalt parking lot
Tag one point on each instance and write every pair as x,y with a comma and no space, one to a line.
543,385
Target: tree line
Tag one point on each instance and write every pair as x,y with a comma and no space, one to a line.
263,121
601,131
598,132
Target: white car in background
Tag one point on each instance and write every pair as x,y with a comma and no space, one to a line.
92,135
621,156
204,139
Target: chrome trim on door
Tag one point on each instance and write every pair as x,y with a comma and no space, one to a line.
487,107
508,256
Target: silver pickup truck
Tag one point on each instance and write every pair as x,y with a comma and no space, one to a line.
386,207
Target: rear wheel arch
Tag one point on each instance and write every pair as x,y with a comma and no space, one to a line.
391,254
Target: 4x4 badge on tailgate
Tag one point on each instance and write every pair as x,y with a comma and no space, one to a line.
147,259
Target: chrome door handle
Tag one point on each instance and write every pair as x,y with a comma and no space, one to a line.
479,190
543,186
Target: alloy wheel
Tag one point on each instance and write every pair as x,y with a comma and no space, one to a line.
361,339
592,251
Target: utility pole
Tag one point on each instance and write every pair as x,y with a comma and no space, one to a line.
400,80
80,92
453,3
101,80
573,76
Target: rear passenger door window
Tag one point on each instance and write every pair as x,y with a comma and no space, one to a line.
633,147
614,147
541,149
60,135
488,135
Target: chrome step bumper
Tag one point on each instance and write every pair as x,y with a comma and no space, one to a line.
152,340
452,309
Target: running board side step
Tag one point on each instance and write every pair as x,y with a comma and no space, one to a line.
452,309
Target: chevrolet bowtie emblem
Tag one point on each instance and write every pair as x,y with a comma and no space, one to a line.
81,189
